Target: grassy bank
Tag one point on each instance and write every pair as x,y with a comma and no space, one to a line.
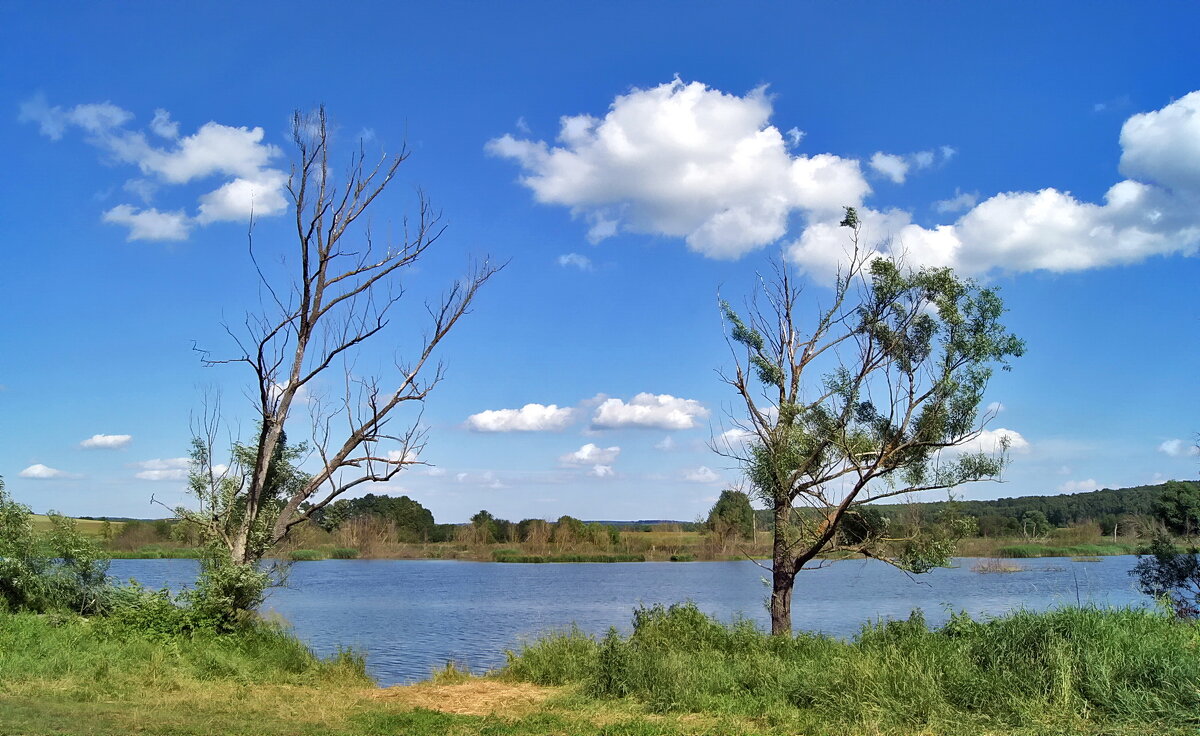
1067,672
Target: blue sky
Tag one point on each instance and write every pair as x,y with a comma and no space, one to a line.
630,160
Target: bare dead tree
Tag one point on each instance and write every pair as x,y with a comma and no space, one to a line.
862,407
339,294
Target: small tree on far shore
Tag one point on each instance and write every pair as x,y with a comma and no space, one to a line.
730,518
874,396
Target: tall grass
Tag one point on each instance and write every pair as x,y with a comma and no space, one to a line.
1024,669
82,659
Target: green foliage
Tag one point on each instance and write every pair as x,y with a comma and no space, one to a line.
1166,573
1034,524
58,570
344,553
1078,668
305,555
1178,507
731,515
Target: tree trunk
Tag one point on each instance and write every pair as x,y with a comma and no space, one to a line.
783,575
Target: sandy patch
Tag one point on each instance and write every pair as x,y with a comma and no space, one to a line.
473,697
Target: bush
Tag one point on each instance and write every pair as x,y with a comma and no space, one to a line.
969,676
1163,571
58,570
305,555
344,553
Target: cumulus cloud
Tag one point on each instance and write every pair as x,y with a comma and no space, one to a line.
646,410
150,224
1155,211
993,441
529,418
601,471
684,160
889,165
239,155
591,454
702,474
37,471
582,262
107,441
1179,448
1079,486
162,469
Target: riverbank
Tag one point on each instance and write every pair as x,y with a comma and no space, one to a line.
1077,671
634,547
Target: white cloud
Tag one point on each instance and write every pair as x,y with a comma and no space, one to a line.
896,167
163,126
37,471
591,454
684,160
687,161
795,135
702,474
601,471
150,224
1179,448
1079,486
1156,211
582,262
661,411
435,472
992,441
174,468
994,408
959,202
666,444
890,165
529,418
237,154
734,438
107,441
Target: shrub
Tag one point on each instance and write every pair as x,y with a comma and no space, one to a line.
1163,571
306,555
344,553
58,570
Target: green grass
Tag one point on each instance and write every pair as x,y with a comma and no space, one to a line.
504,556
1078,550
1068,671
156,552
1076,671
89,527
306,555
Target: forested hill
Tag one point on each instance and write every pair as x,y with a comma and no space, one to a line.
1059,510
1068,508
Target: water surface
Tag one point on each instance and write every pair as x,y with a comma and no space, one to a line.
412,616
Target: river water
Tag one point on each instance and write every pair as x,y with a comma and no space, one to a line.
412,616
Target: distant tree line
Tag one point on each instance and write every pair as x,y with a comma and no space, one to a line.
1174,504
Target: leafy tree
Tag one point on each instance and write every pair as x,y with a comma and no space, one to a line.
1163,571
1178,507
860,406
731,516
1034,524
